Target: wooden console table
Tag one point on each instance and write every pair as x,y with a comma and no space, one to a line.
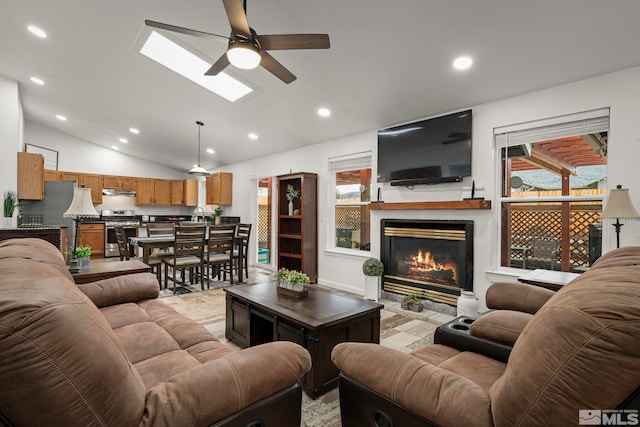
257,314
106,270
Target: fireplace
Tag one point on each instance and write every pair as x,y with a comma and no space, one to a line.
429,258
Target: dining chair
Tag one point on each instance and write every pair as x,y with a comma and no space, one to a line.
243,231
219,255
125,253
188,253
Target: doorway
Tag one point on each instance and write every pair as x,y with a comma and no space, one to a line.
264,233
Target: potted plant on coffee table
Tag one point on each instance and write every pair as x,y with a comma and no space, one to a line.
82,255
372,268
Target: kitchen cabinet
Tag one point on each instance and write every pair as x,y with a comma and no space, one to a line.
30,176
144,192
92,235
94,182
177,192
298,232
184,192
162,192
128,183
220,188
112,182
71,176
51,175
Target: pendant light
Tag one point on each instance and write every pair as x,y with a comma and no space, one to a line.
198,170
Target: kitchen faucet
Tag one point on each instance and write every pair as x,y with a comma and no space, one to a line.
194,217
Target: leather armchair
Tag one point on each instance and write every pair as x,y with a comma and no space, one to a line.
578,351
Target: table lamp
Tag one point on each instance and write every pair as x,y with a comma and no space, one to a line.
619,206
81,207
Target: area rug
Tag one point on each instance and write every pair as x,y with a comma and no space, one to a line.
397,330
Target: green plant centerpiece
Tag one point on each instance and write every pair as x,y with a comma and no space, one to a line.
290,194
372,267
10,203
292,279
411,302
82,255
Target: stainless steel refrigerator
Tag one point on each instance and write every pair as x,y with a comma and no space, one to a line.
57,199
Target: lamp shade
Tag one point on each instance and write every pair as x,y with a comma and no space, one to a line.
81,205
619,205
198,171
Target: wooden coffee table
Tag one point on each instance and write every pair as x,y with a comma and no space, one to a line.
257,314
105,270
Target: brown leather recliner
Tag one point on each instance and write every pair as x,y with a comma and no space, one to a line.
578,352
112,354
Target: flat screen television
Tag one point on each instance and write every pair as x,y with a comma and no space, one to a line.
429,151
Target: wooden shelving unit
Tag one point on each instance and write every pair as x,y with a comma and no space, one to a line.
298,233
446,205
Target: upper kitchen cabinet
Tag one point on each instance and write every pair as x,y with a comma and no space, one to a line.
162,192
30,176
184,192
144,191
112,182
128,183
71,176
51,175
94,182
220,188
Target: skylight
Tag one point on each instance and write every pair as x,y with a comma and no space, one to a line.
176,58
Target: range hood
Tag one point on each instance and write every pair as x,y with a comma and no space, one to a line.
110,192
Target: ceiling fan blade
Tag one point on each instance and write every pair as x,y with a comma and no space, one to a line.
276,68
182,30
218,66
294,41
237,17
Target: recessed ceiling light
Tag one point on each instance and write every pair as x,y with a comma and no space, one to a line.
37,81
211,150
37,31
253,136
462,63
185,63
324,112
134,130
61,118
115,148
124,140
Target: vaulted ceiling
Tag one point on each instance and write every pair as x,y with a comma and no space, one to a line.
389,63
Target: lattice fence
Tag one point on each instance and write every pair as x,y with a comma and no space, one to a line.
264,221
544,221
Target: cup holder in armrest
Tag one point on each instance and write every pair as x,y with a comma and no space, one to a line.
460,327
467,320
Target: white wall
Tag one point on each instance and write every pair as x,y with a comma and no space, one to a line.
10,133
619,91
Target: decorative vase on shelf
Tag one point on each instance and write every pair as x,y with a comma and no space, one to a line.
217,220
467,304
290,207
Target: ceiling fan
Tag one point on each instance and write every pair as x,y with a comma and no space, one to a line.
246,48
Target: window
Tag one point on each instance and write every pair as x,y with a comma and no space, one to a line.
352,219
553,180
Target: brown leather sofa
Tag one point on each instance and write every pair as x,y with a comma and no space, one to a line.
580,351
109,353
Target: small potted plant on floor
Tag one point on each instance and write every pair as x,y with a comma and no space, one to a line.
372,268
411,302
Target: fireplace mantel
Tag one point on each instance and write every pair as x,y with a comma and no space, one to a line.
446,205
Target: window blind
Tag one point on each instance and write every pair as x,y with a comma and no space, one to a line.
352,162
561,127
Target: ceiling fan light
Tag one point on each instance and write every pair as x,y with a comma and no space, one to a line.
243,55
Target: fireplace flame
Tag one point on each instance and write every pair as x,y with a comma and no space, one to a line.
424,261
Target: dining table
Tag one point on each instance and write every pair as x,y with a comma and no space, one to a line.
166,241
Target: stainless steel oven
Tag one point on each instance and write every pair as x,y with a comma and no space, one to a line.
128,221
